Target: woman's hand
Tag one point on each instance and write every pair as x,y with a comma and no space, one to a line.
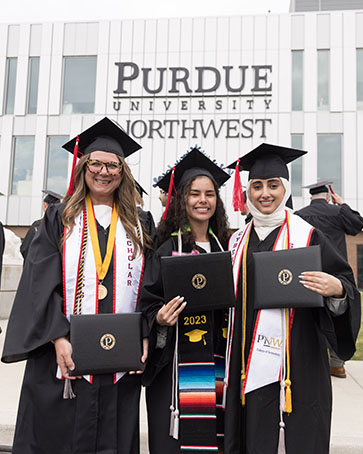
323,283
169,313
63,349
145,349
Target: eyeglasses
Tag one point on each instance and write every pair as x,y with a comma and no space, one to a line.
112,168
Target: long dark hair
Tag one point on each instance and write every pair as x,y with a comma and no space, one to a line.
177,217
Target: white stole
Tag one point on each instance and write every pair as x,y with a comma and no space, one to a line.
127,274
263,367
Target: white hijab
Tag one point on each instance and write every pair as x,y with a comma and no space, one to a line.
264,224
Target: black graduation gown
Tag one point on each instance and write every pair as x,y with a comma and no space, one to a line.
148,221
333,220
104,417
254,429
157,376
29,237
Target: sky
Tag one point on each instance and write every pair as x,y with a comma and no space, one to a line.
18,11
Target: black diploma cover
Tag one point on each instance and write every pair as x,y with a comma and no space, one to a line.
106,343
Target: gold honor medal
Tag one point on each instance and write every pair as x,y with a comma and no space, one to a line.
101,266
102,291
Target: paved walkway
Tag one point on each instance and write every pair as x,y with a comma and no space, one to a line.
347,424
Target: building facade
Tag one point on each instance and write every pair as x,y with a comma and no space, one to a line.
225,84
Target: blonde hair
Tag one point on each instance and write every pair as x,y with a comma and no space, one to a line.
124,197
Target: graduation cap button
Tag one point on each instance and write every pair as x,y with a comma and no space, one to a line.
197,335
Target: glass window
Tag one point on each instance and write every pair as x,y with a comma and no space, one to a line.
330,160
33,85
79,84
296,166
297,79
22,165
360,265
360,79
10,85
57,165
323,79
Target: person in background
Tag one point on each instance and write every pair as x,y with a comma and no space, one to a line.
279,388
194,222
163,197
335,220
50,199
93,241
145,216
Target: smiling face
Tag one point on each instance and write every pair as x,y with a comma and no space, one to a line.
102,185
266,195
201,200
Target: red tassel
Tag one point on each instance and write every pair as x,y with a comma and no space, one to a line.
238,197
75,156
170,190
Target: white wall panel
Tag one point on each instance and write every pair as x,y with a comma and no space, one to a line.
283,89
349,62
359,29
272,32
47,39
222,34
212,42
310,163
247,32
120,37
336,79
5,153
40,149
235,33
259,37
359,134
13,40
184,36
349,158
323,31
298,31
35,40
174,34
44,84
162,44
21,85
138,36
150,36
310,65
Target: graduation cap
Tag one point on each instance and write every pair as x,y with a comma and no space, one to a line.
320,187
194,164
197,335
140,189
51,197
105,135
265,161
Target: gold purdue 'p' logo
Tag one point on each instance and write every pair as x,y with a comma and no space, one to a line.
107,341
285,277
199,281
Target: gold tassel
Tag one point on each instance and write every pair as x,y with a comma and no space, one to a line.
243,397
288,397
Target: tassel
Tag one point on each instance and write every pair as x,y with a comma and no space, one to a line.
170,190
172,421
288,397
75,156
224,398
281,446
68,391
238,197
176,425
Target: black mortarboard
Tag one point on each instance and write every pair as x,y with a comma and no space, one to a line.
268,161
194,164
106,135
140,189
51,197
319,187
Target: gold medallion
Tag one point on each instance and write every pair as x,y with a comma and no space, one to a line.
285,277
107,341
199,281
102,291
